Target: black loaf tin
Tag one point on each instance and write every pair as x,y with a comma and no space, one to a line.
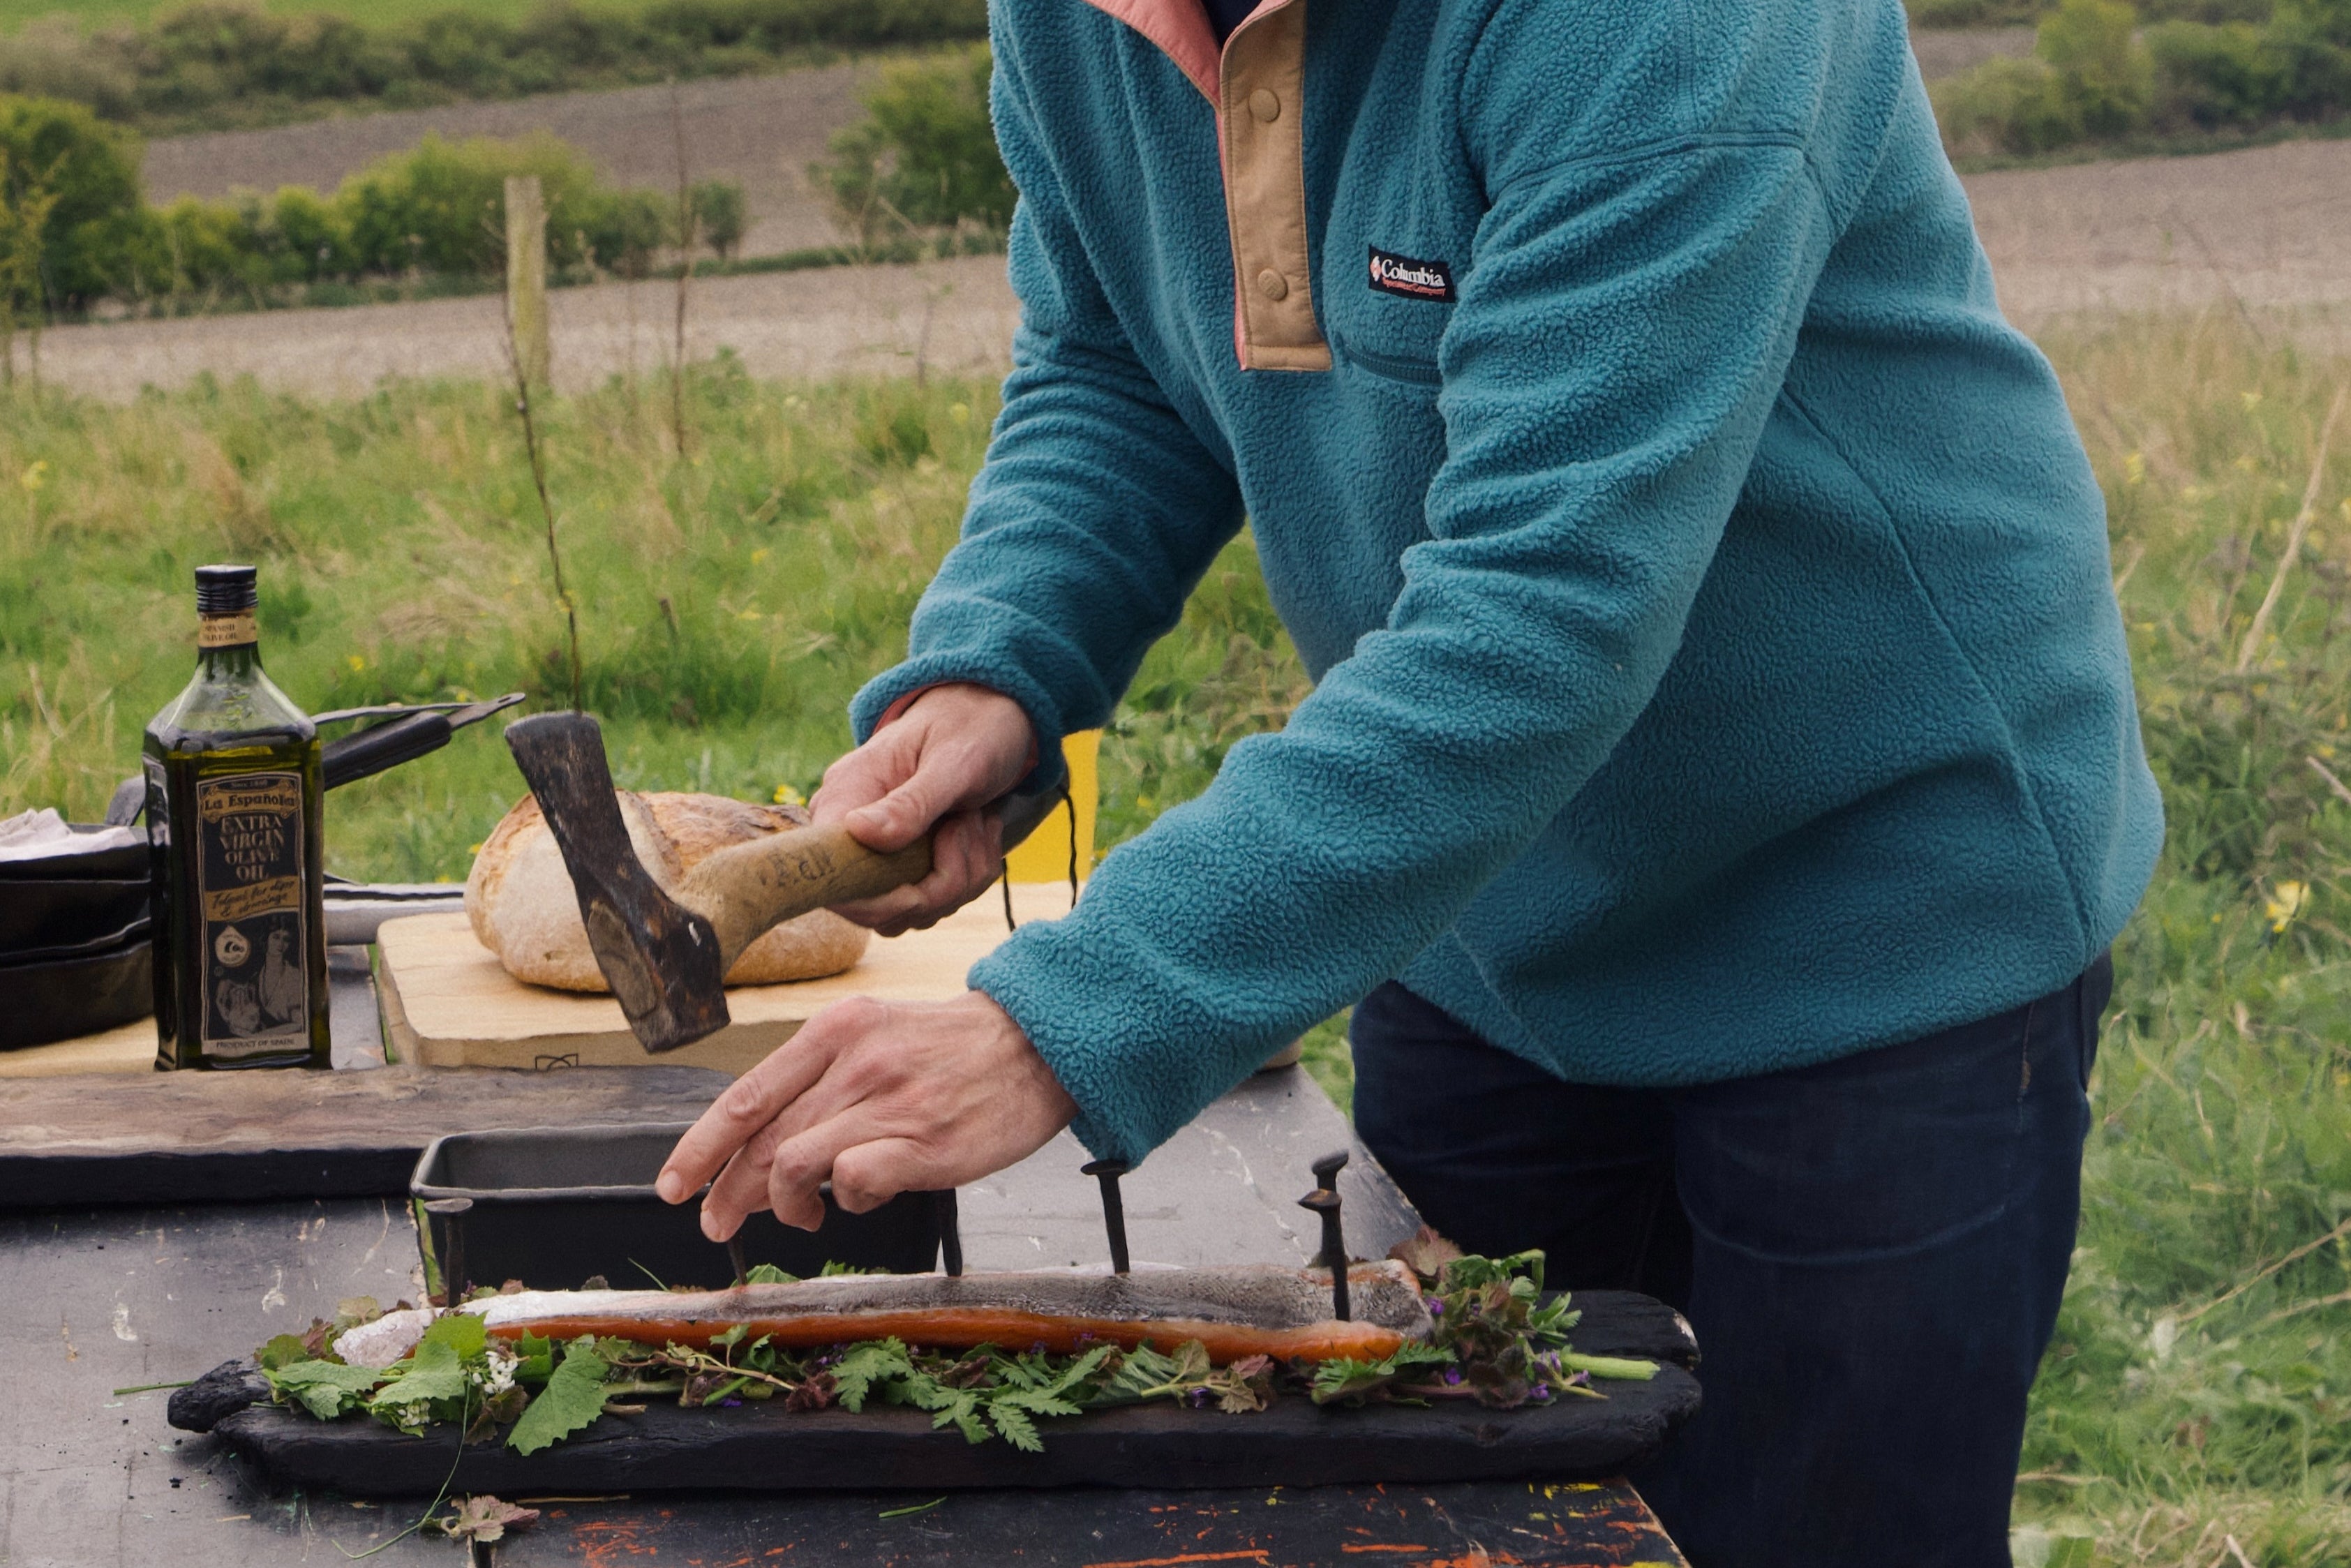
554,1207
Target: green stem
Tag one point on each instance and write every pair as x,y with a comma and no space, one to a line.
1609,1366
151,1387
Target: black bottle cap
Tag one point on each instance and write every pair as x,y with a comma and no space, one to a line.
226,590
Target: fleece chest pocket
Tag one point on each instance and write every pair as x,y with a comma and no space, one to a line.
1390,310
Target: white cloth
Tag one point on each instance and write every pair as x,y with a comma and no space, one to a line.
33,835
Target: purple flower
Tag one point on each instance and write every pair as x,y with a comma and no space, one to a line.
1543,1390
1452,1376
1436,1307
730,1403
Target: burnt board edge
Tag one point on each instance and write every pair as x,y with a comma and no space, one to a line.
765,1449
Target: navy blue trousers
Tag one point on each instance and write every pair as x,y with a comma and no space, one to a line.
1870,1250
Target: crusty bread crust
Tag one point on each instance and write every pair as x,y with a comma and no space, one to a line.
520,900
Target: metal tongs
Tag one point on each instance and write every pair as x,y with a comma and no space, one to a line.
411,731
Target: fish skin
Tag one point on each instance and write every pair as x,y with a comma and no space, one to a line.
1234,1311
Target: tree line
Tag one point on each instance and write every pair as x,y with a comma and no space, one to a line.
228,62
75,229
2096,75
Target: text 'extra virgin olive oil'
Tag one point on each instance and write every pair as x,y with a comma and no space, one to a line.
236,834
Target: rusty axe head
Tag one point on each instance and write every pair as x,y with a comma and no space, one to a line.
661,960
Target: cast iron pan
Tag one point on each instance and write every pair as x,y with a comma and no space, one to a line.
45,1000
39,915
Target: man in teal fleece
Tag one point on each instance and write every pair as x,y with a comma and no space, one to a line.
1721,780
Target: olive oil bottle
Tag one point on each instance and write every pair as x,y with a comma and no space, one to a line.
234,835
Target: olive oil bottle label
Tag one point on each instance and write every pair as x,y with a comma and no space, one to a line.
249,894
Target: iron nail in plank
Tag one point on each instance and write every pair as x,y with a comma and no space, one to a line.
1107,1172
1324,1201
452,1212
943,1204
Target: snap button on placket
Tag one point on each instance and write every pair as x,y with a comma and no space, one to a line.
1272,284
1265,104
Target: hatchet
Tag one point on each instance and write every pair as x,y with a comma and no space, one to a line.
666,958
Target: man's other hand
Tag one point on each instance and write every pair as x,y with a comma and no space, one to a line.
954,750
883,1097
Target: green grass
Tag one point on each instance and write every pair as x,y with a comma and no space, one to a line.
731,602
2199,1390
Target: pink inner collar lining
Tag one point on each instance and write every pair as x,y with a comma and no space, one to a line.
1180,29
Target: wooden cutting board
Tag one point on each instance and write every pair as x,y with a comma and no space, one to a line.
447,1002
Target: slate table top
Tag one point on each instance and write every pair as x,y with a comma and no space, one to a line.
104,1298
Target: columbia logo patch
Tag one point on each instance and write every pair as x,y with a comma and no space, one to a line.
1413,279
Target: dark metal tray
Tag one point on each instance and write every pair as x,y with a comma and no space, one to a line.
554,1205
762,1447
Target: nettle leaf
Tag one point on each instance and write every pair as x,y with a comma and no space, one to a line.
573,1397
1470,1272
283,1349
537,1358
1354,1380
1143,1374
1349,1378
463,1332
768,1274
325,1389
432,1372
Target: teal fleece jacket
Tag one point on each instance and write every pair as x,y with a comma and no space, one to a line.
1717,668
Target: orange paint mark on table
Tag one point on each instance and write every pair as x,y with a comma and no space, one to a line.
604,1542
1257,1555
1384,1548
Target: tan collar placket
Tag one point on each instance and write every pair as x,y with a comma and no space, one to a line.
1261,103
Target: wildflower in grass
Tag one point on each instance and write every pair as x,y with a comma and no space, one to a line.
2284,903
35,475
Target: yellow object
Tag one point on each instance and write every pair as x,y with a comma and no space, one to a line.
1045,857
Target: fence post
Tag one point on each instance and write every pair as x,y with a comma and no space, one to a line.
526,277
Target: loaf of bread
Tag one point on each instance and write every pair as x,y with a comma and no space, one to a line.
520,900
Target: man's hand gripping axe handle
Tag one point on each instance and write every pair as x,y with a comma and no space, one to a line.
666,959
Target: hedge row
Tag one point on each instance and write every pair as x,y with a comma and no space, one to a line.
436,211
227,61
2095,76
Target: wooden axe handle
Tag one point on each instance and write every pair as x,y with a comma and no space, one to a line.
746,889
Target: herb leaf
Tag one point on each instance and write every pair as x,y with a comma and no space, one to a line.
325,1389
433,1372
865,1364
573,1397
